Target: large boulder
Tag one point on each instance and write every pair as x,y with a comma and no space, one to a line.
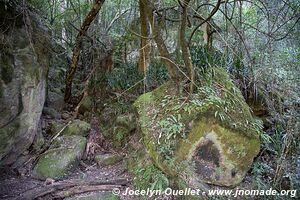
210,136
24,61
63,155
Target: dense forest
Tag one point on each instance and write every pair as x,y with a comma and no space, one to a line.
141,99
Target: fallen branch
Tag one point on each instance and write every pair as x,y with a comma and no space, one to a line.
74,187
83,189
59,132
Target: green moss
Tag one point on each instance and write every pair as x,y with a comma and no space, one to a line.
78,128
55,163
62,156
217,112
235,146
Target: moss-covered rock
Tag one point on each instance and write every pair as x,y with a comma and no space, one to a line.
77,127
210,136
127,121
107,159
62,156
123,125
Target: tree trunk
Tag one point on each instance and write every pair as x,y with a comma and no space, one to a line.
145,48
156,25
77,49
184,47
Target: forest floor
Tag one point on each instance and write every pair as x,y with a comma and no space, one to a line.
91,181
87,181
13,186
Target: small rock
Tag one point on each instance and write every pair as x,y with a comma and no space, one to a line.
127,121
65,116
107,159
49,181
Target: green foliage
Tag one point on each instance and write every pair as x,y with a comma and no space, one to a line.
151,177
127,75
172,127
123,77
204,59
156,75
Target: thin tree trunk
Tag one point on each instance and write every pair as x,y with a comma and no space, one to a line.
156,25
77,49
184,47
145,48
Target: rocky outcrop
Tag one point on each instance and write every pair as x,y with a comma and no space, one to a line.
24,61
210,136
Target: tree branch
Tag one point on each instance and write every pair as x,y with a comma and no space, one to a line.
213,12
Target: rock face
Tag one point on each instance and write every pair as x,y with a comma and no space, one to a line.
63,155
23,68
210,137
